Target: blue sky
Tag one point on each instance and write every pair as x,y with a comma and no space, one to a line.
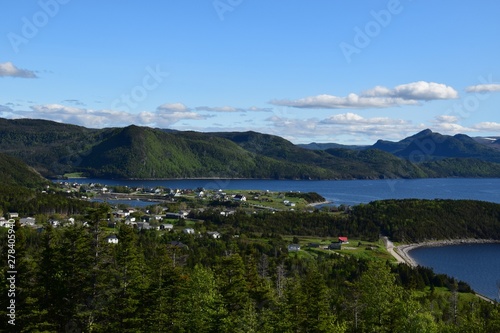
326,71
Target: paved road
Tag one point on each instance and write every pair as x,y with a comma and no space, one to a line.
390,247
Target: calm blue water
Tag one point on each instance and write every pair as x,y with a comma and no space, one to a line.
476,264
349,192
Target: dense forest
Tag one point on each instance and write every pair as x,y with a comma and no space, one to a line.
70,279
409,220
14,172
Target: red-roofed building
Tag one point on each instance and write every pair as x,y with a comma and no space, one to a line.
343,240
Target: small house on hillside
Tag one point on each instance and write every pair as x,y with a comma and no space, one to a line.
293,247
335,246
343,240
213,234
166,226
239,197
27,221
112,239
6,223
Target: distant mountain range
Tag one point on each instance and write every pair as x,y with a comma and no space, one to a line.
54,149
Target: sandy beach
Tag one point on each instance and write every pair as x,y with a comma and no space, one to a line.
401,252
314,204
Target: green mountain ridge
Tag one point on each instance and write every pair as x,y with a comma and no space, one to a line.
14,172
141,152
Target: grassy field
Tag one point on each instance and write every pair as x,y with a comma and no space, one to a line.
74,175
357,248
263,200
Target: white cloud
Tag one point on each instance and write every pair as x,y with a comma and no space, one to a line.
352,101
173,107
219,109
257,109
377,97
487,126
7,69
483,88
352,118
163,117
342,127
232,109
451,128
446,119
426,91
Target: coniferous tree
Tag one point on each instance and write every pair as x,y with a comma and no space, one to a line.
129,283
233,289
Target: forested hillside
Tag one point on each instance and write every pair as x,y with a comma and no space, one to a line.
14,172
135,152
423,220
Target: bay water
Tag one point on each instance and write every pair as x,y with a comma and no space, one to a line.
476,264
348,192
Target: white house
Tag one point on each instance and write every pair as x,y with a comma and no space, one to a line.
166,226
213,234
13,215
27,221
112,239
189,231
239,197
6,223
184,213
227,212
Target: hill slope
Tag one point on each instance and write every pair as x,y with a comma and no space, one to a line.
14,172
139,152
51,148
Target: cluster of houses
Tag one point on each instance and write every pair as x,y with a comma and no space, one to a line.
333,246
31,221
126,216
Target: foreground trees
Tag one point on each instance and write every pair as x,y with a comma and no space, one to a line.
70,279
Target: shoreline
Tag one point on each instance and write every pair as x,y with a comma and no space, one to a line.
314,204
402,251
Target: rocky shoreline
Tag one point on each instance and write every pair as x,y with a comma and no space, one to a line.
403,250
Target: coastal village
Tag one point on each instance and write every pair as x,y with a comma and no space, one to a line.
171,210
